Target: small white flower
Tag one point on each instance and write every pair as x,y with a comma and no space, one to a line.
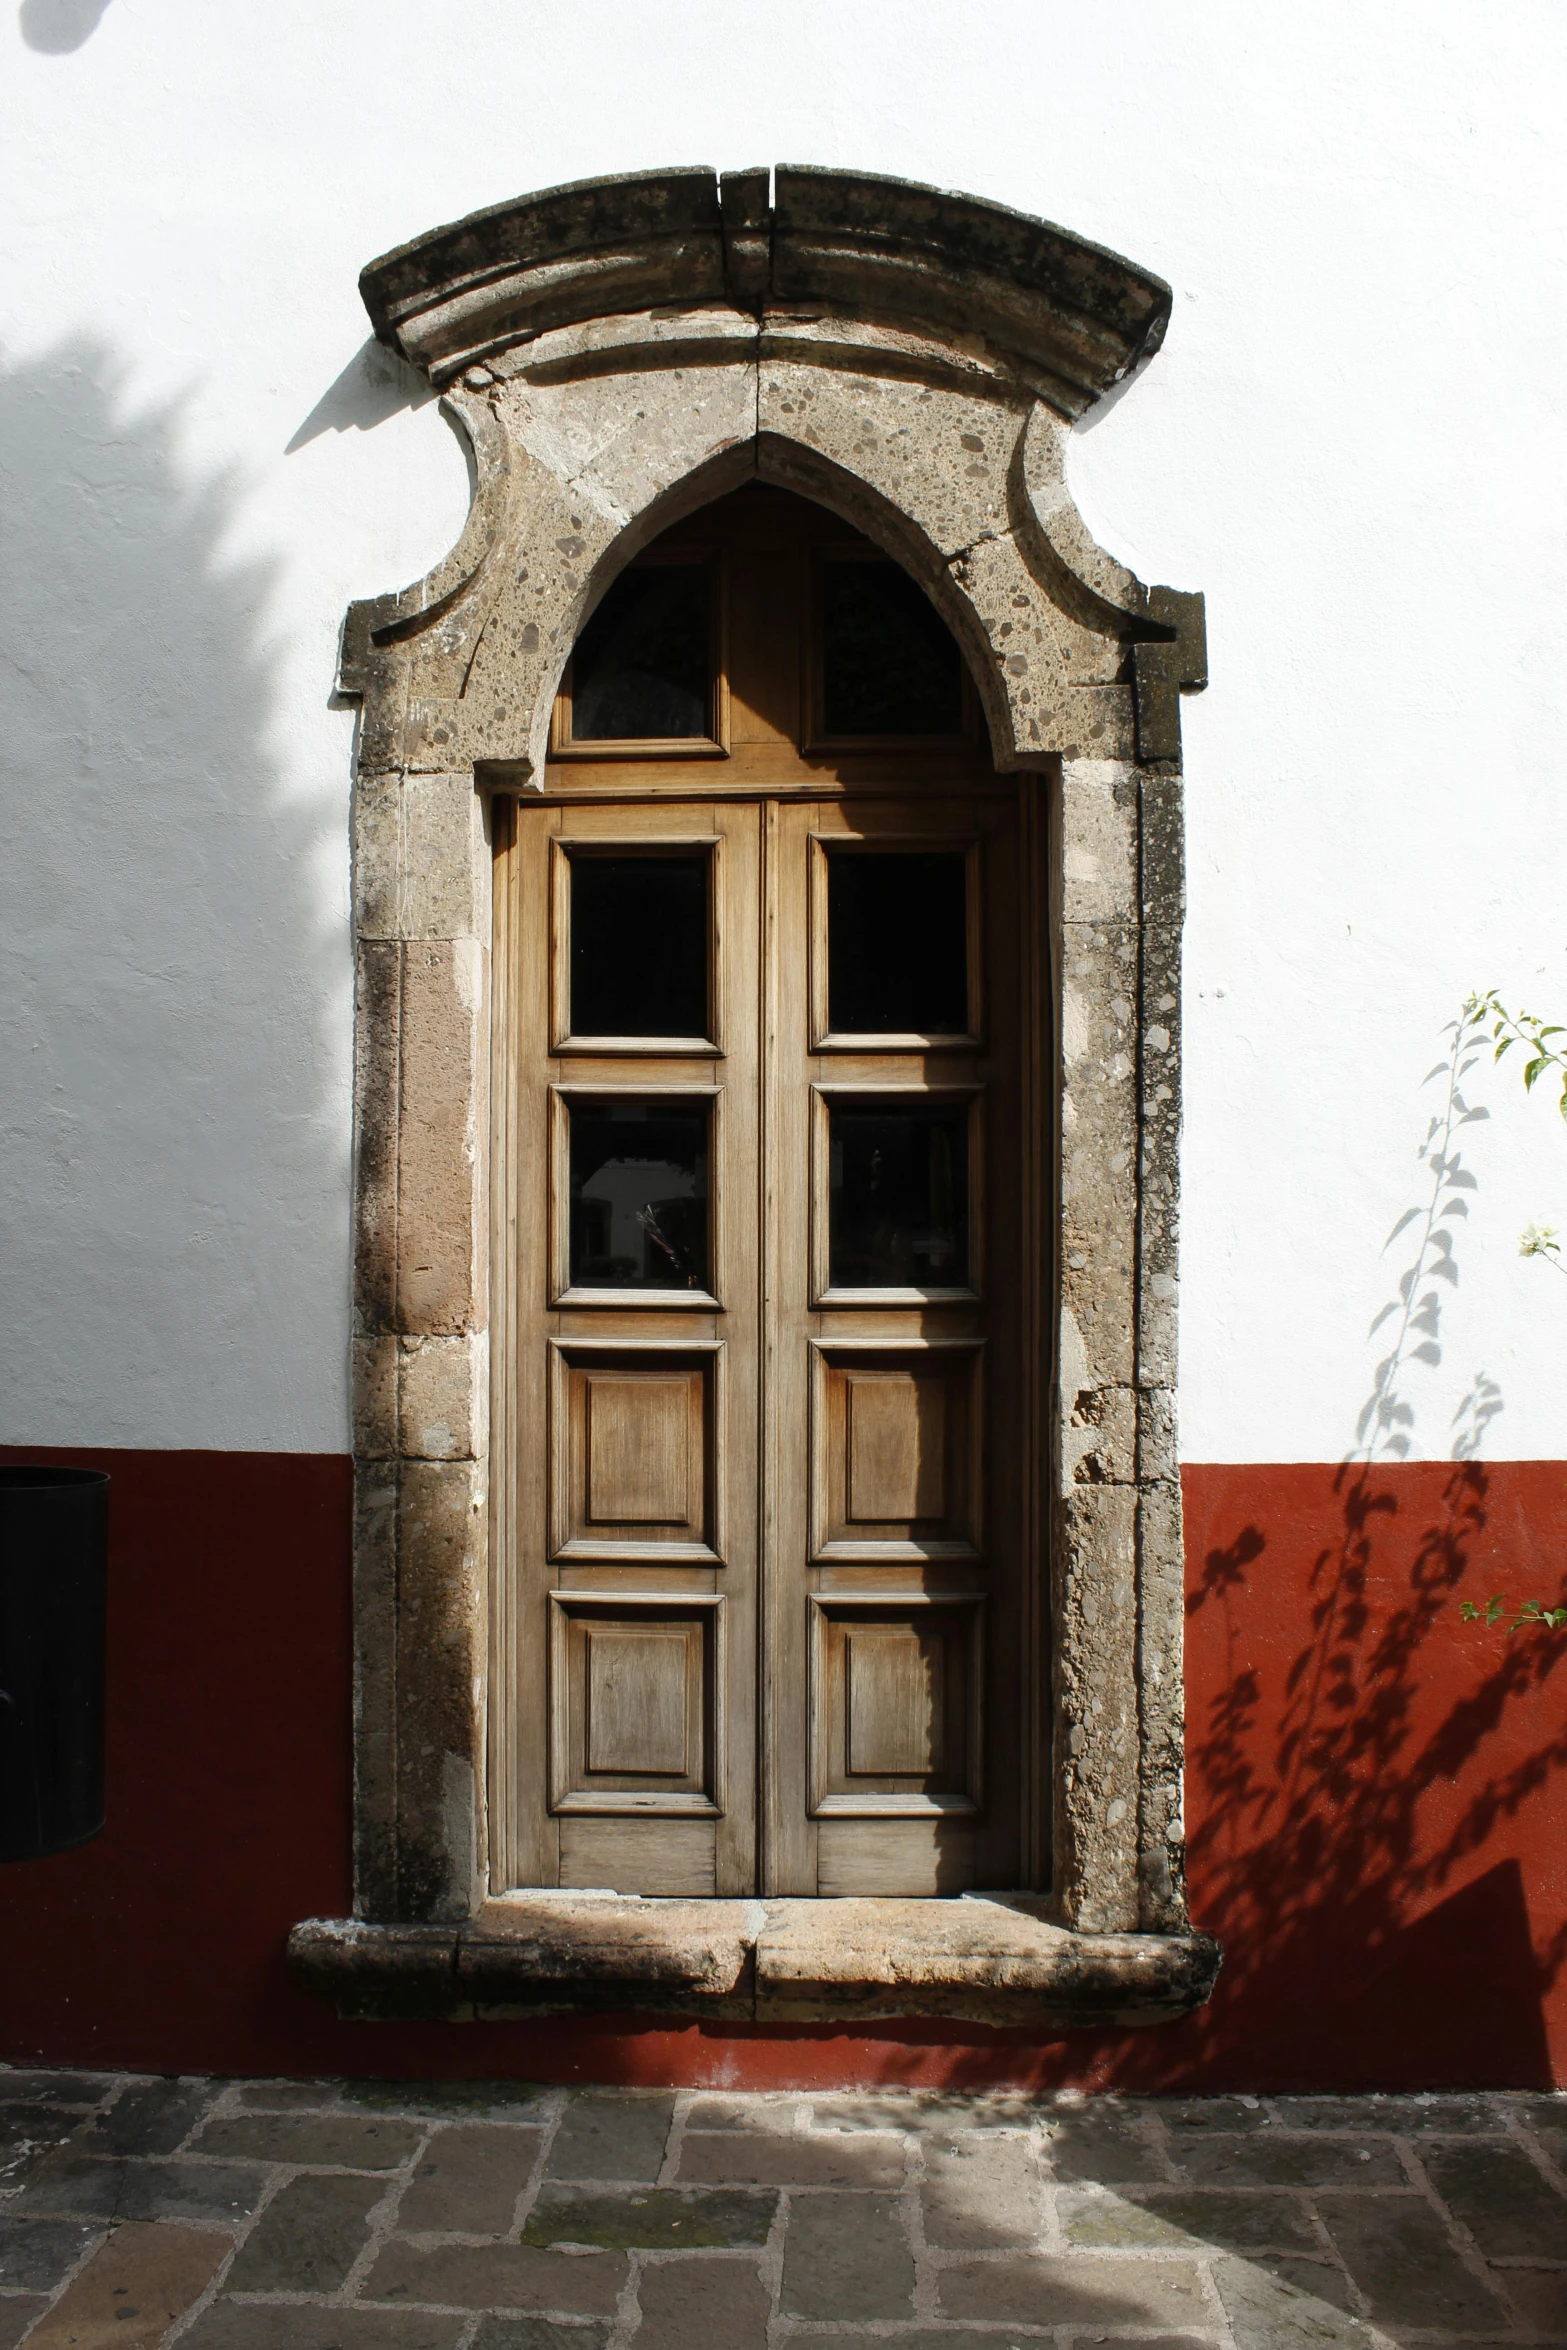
1538,1240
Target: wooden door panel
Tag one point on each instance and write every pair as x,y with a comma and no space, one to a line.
636,1466
897,1705
767,1149
637,1703
898,1568
626,1632
779,1522
676,1858
897,1451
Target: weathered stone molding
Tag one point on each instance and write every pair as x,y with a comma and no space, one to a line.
627,351
978,1960
853,242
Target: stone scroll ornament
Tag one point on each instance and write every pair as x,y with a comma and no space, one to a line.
618,353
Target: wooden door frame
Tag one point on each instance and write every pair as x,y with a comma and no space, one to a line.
806,344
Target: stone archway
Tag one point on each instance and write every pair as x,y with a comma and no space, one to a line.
619,353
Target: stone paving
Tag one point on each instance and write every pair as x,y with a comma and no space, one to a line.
285,2215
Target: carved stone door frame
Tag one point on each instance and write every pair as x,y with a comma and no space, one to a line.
618,353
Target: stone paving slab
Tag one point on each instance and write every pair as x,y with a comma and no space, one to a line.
289,2215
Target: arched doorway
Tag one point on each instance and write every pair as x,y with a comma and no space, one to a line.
768,1247
620,355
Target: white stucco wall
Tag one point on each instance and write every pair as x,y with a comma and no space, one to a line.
1353,441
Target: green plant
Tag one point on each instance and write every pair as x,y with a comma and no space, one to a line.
1488,1012
1553,1618
1536,1240
1525,1028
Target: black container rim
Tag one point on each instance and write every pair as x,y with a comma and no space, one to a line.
44,1476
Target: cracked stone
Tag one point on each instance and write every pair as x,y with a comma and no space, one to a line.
152,2117
231,2325
308,2238
342,2141
1288,2305
675,2219
35,2253
468,2180
980,2193
498,2276
612,2138
847,2257
1177,2221
1084,2291
1399,2254
1288,2162
1108,2147
1502,2200
105,2189
789,2160
693,2302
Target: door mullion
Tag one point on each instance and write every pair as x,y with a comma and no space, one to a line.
769,1825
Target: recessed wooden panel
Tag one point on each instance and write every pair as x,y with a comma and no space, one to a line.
896,1698
636,1702
636,1689
895,1452
638,1427
909,1857
633,1452
666,1857
895,1701
896,1447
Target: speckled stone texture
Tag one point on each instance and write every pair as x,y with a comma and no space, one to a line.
291,2215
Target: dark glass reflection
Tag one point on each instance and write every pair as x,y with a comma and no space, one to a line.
639,945
640,668
897,942
638,1195
889,665
899,1195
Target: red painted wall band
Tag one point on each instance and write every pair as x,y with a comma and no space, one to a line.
1374,1798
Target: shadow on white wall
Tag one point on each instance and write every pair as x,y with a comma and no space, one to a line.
374,385
174,971
59,26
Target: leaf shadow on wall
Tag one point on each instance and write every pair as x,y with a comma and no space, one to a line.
1361,1752
173,953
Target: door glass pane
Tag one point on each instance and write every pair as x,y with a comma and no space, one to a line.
641,665
638,1195
889,664
899,1195
897,942
639,946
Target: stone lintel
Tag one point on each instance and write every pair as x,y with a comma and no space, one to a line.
994,1960
1081,315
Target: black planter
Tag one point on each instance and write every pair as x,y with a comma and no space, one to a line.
54,1528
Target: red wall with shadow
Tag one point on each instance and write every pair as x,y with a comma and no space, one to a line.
1375,1805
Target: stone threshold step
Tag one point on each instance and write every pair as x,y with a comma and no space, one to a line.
984,1959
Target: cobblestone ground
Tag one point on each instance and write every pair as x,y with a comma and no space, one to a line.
280,2215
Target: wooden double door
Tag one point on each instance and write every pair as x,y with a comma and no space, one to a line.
768,1618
